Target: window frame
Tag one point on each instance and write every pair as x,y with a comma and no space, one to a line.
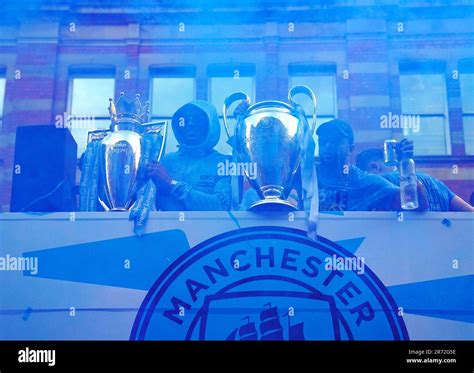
334,92
170,72
175,71
314,70
3,76
429,68
85,76
225,70
465,114
79,72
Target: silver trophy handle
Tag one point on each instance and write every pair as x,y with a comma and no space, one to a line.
160,126
163,142
96,135
229,101
308,92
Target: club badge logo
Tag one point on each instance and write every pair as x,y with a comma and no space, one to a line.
267,283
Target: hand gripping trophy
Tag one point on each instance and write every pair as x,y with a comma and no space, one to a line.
112,171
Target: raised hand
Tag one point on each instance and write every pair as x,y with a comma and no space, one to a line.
405,149
160,176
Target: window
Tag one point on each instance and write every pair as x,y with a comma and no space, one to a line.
88,106
322,81
223,81
466,82
423,101
2,94
171,88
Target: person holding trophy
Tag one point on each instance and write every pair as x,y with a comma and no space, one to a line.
188,179
342,186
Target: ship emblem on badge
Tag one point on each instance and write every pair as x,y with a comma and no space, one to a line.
270,328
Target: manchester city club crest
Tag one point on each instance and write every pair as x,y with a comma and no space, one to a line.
267,283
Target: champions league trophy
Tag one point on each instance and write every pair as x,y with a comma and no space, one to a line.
271,135
123,150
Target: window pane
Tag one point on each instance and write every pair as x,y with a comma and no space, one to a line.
423,94
169,94
466,82
324,87
222,87
2,94
431,137
90,96
89,100
468,122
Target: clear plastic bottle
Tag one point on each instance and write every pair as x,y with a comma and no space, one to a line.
408,184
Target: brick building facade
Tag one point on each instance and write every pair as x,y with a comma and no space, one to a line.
365,46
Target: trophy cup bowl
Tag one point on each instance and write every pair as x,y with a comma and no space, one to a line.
121,153
270,134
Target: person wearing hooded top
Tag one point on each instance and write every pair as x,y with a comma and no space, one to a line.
188,179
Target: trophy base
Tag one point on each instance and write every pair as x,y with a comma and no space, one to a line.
116,209
272,205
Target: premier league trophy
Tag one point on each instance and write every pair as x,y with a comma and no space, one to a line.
270,134
122,150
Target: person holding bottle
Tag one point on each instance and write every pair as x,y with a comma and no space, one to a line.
440,197
343,186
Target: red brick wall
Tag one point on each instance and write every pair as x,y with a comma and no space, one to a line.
44,48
